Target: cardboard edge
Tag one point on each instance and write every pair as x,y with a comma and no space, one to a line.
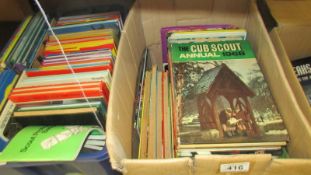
282,93
291,76
116,109
283,166
180,166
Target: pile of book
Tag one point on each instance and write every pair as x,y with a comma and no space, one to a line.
23,46
220,102
155,128
69,81
19,53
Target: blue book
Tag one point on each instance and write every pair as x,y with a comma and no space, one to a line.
6,79
109,24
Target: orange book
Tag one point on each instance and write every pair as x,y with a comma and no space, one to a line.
60,94
33,89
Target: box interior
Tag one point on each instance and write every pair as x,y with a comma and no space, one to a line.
291,75
294,26
142,29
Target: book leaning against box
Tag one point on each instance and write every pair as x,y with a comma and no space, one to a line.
222,101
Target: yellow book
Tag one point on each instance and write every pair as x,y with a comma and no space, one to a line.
43,113
78,46
152,144
143,142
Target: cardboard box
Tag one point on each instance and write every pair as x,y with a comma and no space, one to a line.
142,29
292,40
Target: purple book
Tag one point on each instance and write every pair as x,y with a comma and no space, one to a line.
166,30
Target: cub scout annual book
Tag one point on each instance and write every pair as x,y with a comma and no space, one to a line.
222,98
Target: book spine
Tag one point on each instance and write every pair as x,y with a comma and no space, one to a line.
68,71
58,95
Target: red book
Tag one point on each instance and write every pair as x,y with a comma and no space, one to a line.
105,92
57,95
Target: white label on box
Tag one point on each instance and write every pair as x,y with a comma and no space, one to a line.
234,167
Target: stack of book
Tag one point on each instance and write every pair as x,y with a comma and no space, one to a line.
63,87
19,52
212,100
156,117
22,47
222,103
69,81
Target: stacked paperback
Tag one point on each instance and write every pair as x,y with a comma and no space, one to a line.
218,99
22,47
19,53
68,81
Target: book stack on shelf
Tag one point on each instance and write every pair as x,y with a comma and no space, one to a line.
64,90
214,100
19,53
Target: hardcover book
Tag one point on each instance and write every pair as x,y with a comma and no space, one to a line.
222,98
302,68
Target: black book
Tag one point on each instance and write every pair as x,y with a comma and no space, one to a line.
302,68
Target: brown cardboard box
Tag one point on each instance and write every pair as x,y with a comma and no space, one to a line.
142,29
292,40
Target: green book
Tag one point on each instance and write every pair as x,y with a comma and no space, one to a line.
47,143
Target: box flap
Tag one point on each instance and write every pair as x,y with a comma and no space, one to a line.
293,19
292,12
181,166
291,76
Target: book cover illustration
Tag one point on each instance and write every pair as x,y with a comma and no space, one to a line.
222,96
302,68
167,31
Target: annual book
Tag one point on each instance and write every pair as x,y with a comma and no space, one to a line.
221,97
